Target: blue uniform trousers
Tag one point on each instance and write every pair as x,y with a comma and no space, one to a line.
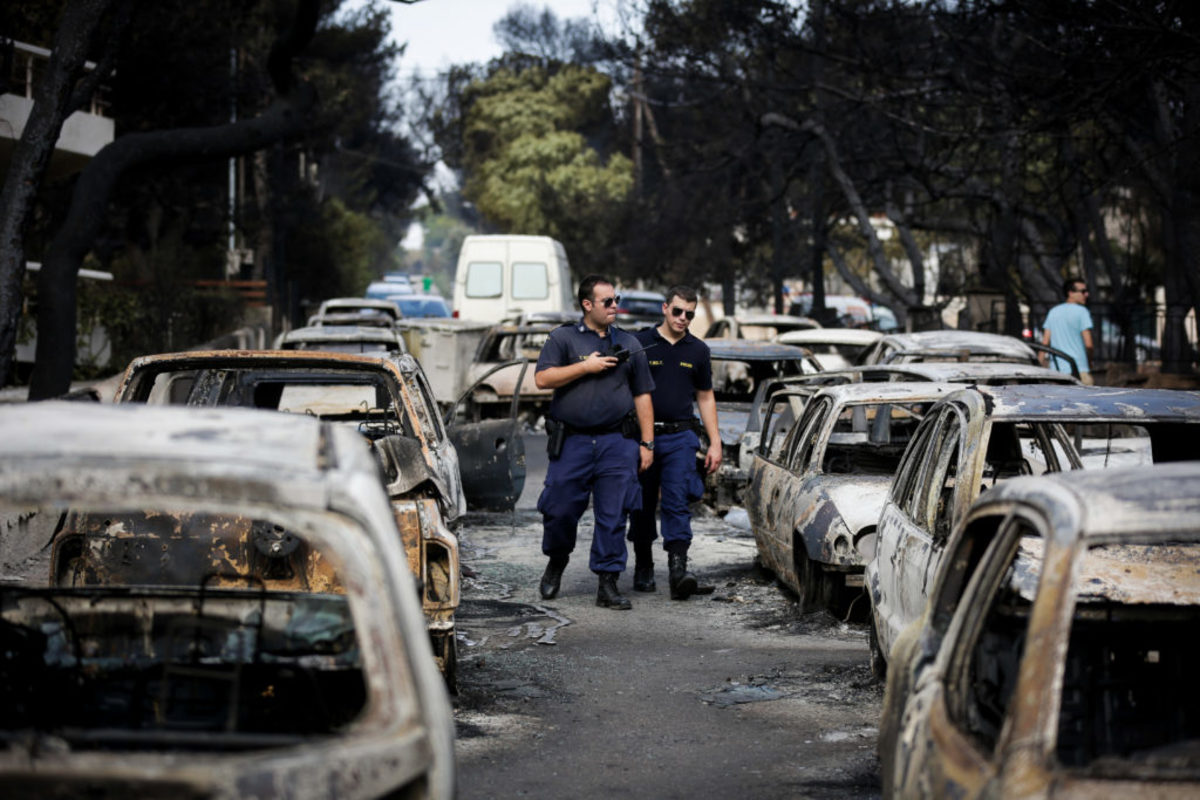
603,466
673,472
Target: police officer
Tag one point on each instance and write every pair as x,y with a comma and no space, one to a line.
682,370
602,425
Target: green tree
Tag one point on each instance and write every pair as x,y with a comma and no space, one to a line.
530,143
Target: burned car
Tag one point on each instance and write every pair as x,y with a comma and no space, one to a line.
343,339
776,417
833,348
385,399
739,368
949,345
1055,655
366,306
757,327
980,436
503,372
225,612
814,502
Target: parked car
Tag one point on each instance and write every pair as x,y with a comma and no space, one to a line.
1054,656
757,327
357,305
638,309
852,311
207,604
388,288
421,306
951,345
739,367
814,502
503,372
343,339
833,348
776,415
976,438
387,400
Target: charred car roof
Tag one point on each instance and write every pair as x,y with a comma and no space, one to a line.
1083,402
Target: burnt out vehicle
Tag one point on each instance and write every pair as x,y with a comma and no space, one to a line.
980,436
503,372
814,502
343,339
225,612
948,345
739,368
1055,656
386,399
776,415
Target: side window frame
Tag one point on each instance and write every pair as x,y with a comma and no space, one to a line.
809,426
984,590
933,492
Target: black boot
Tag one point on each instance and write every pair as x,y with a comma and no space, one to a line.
607,594
552,577
683,583
643,567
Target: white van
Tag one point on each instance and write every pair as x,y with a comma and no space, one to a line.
503,277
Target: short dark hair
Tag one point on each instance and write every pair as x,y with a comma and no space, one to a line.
685,293
588,285
1069,285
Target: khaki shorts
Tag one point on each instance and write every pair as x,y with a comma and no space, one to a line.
1086,379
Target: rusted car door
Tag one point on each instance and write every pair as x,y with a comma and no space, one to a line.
491,452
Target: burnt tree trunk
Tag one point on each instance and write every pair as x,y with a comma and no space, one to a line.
55,359
56,95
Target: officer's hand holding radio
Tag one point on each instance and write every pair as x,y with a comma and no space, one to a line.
598,363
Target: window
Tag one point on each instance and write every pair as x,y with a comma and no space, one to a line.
908,477
935,512
485,279
1129,693
809,432
996,621
530,281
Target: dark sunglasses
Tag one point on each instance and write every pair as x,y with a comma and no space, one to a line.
676,311
609,302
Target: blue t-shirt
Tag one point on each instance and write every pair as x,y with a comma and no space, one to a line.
598,399
679,371
1066,323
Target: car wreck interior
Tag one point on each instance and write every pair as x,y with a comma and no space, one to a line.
178,631
1128,695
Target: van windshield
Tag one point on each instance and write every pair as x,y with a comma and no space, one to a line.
529,281
484,279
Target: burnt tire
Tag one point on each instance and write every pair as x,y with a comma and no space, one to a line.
445,650
812,580
878,660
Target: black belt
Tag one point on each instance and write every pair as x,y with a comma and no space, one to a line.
594,430
675,427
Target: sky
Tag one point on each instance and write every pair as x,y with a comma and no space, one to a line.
440,33
444,32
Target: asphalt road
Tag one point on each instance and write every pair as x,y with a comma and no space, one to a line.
731,695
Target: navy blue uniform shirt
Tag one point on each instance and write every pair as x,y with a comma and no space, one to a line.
598,399
679,371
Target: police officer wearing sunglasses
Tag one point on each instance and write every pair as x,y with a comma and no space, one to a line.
682,370
600,431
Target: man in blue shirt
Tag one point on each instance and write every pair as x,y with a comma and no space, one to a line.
1068,327
682,370
601,409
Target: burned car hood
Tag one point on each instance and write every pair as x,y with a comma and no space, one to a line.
859,499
